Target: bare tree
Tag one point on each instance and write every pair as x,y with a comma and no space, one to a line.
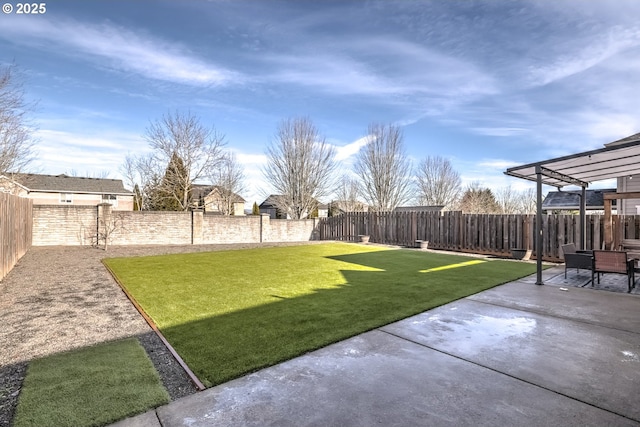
347,194
183,151
110,224
477,199
140,172
103,174
438,183
198,149
528,201
384,168
229,179
516,202
131,175
16,141
299,166
509,200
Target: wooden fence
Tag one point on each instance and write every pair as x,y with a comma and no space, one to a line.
475,233
16,219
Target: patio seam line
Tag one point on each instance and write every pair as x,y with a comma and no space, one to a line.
556,316
155,412
509,375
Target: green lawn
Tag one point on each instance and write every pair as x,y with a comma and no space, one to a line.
229,313
92,386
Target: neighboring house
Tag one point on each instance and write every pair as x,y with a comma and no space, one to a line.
570,200
269,207
628,183
323,210
338,207
68,190
212,198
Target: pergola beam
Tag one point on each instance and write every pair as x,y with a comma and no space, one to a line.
580,169
562,177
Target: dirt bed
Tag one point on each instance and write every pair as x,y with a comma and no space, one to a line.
62,298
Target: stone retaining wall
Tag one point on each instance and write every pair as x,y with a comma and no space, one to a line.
91,225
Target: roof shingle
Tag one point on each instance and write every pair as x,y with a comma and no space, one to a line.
70,184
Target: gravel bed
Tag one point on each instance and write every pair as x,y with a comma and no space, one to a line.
61,298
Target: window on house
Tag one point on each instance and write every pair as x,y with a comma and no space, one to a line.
110,198
66,198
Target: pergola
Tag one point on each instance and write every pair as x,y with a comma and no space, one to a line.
582,169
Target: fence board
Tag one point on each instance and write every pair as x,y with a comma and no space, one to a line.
16,225
484,234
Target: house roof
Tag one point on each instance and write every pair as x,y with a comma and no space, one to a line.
631,138
269,202
203,190
570,200
69,184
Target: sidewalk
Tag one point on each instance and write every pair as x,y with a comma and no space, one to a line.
518,355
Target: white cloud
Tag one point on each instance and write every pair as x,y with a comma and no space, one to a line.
246,159
382,67
599,49
346,151
608,127
93,153
497,164
256,189
332,73
118,48
499,131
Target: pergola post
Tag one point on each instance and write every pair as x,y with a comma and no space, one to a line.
539,240
608,227
583,218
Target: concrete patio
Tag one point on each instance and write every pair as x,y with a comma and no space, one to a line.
517,355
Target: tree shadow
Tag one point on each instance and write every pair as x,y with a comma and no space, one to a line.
223,347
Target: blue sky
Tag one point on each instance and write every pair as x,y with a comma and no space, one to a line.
486,84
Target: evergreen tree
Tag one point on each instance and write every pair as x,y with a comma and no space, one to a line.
174,192
256,209
478,200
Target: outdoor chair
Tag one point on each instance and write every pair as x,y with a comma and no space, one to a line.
576,259
570,248
613,262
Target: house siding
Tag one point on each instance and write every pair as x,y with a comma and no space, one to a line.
630,206
125,203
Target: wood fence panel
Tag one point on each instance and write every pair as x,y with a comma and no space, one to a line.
16,230
484,234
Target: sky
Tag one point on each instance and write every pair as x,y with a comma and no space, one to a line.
485,84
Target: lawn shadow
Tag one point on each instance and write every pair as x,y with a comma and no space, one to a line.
222,347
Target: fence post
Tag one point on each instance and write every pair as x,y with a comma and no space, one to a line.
197,226
315,233
264,227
